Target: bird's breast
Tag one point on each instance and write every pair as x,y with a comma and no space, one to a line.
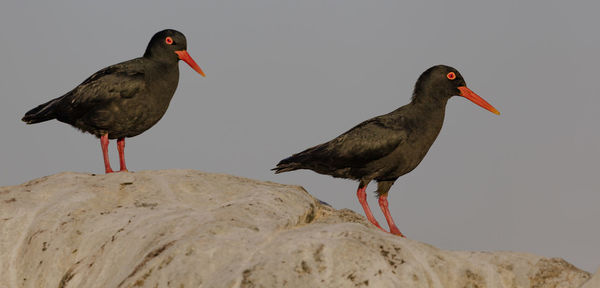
410,152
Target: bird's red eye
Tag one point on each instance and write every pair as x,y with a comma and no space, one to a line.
451,76
169,40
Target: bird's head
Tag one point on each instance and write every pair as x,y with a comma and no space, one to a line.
443,82
170,45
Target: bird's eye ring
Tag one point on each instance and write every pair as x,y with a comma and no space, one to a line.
169,40
451,76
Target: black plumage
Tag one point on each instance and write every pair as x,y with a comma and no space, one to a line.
125,99
386,147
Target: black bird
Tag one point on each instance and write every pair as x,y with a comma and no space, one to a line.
125,99
388,146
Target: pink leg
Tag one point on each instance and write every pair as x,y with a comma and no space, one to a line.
362,198
383,203
121,148
104,145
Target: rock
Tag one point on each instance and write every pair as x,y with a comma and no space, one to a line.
184,228
594,282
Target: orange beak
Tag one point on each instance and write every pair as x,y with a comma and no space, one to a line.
467,93
183,55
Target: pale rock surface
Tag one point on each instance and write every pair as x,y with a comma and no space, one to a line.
184,228
594,282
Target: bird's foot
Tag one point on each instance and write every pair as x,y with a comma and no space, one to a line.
112,171
394,230
378,226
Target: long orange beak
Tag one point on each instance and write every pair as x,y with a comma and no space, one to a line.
183,55
467,93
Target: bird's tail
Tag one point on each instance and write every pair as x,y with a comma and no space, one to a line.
41,113
287,164
310,158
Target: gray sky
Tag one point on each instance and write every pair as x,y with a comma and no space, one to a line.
286,75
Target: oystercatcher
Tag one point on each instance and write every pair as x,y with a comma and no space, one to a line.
125,99
386,147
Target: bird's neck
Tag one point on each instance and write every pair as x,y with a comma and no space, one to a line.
165,77
429,111
429,96
429,103
161,56
164,67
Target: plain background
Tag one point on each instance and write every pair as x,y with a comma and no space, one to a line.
286,75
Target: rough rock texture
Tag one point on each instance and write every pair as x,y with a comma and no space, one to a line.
184,228
594,282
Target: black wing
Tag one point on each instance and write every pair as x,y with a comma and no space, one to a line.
366,142
123,80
